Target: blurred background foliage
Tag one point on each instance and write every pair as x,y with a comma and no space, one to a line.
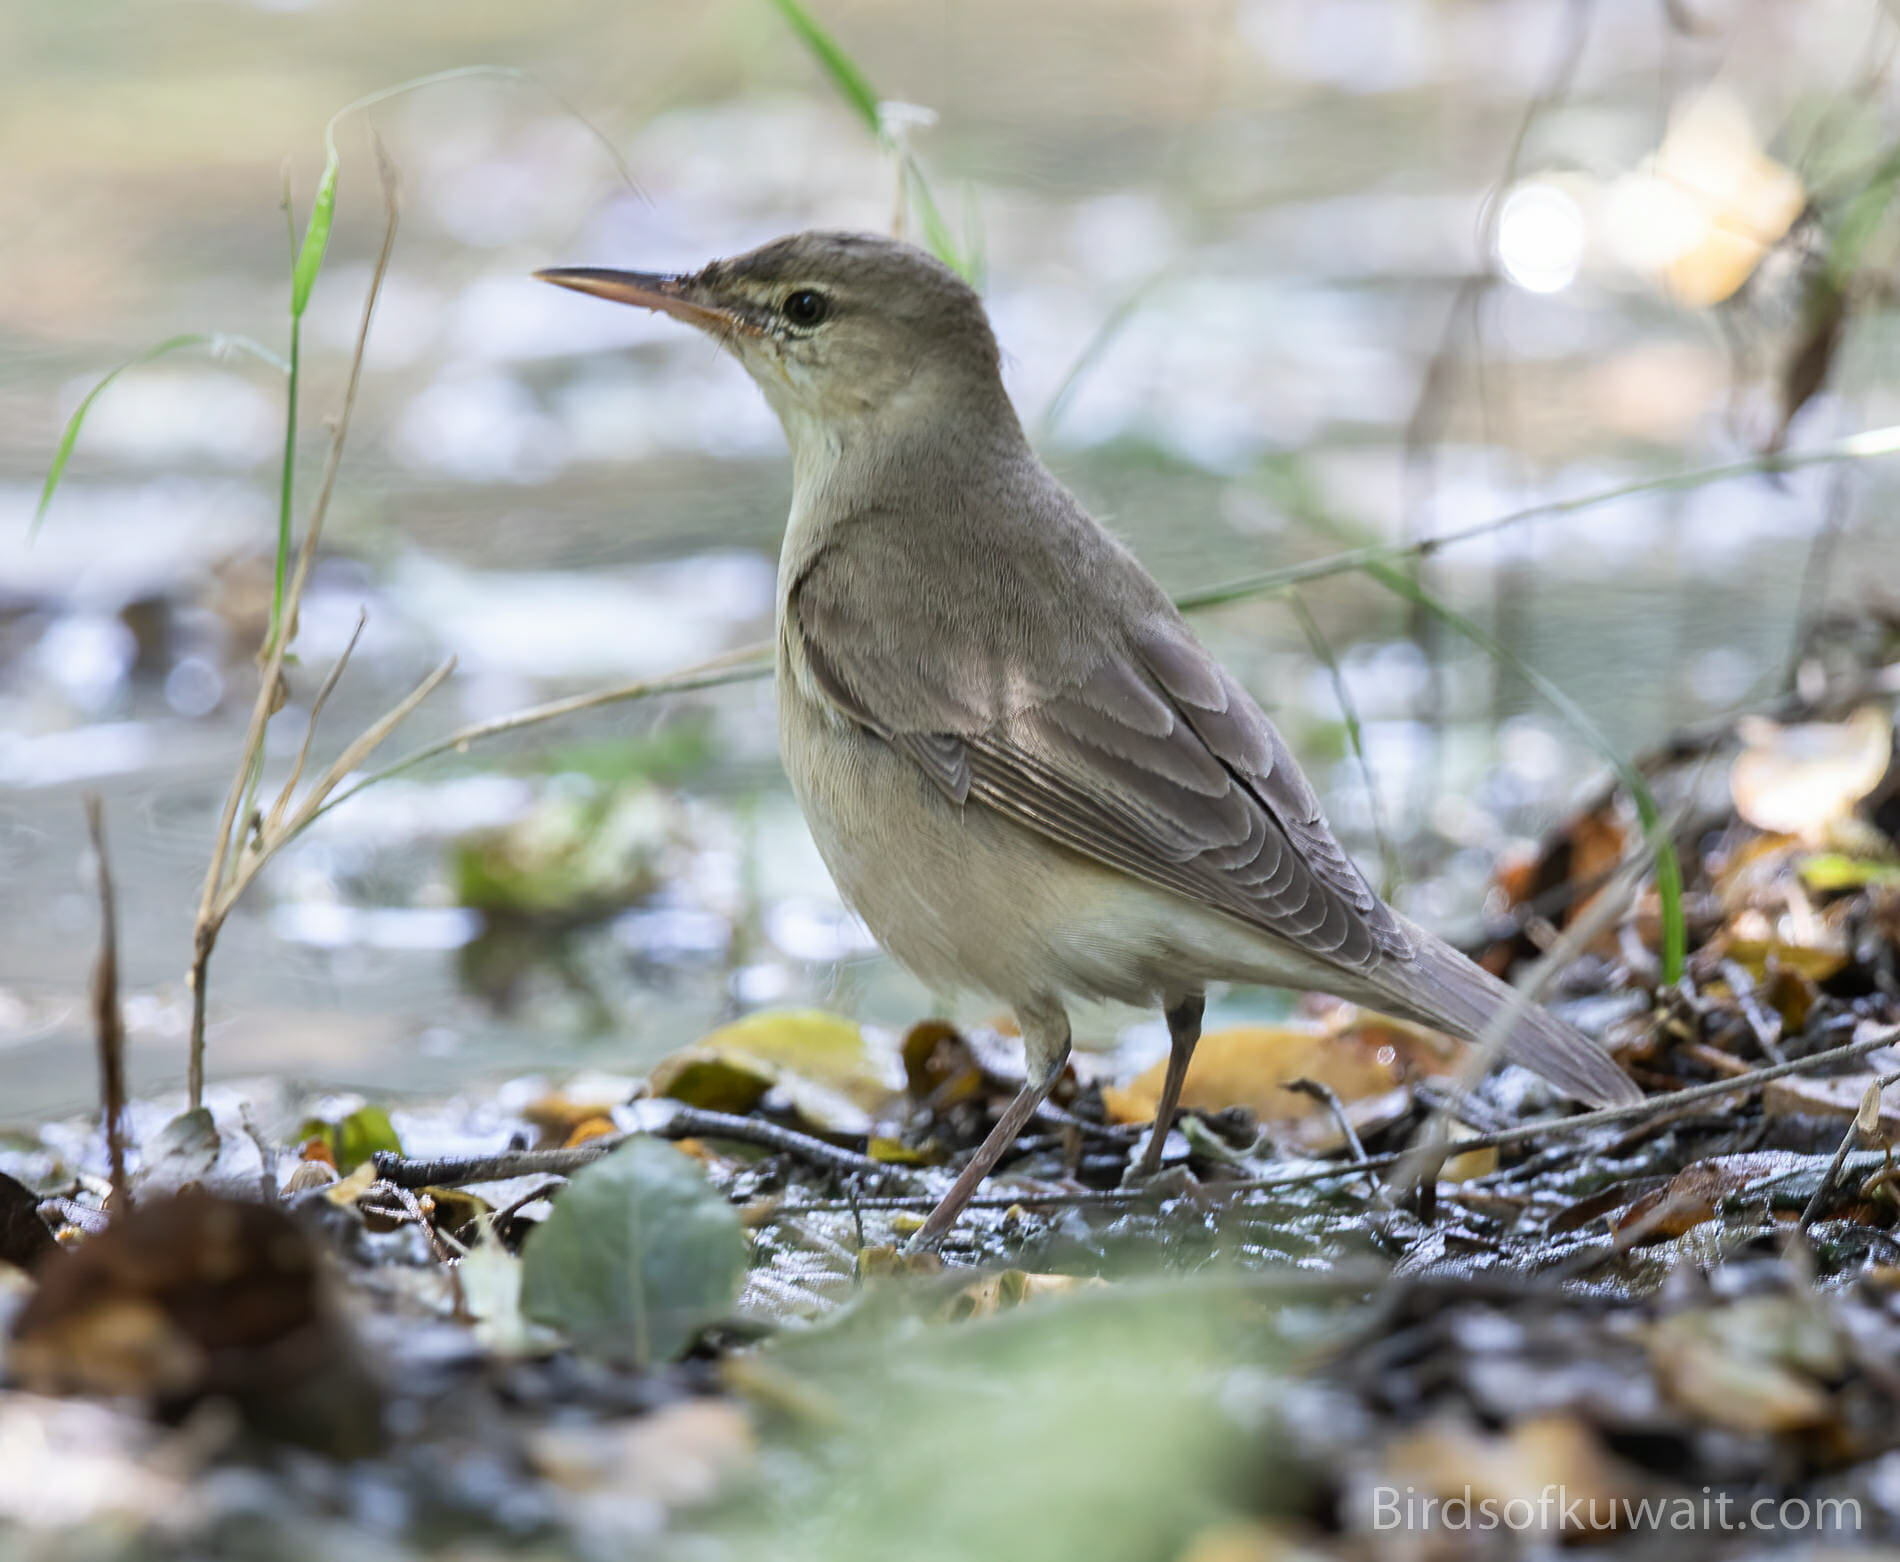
1266,273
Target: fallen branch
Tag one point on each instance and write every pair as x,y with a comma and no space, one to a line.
676,1121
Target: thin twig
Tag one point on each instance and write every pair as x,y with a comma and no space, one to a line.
1108,1133
1763,1024
1319,1090
412,1206
1815,574
1028,1198
108,1021
365,744
454,1171
748,662
1815,1205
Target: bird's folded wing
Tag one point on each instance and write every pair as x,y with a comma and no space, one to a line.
1156,763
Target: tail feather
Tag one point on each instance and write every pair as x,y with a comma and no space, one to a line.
1441,988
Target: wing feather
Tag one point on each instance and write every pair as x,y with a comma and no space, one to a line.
1155,762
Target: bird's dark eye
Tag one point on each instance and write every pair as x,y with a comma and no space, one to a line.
806,307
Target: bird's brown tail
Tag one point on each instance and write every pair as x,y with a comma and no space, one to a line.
1441,988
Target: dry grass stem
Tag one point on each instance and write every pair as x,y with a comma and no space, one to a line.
737,666
310,727
1857,1129
108,1020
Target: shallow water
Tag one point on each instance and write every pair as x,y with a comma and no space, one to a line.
564,495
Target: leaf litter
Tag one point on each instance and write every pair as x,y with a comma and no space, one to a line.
560,1331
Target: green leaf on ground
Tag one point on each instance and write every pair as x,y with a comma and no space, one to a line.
354,1139
1835,870
640,1254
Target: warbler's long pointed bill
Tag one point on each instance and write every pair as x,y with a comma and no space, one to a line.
648,290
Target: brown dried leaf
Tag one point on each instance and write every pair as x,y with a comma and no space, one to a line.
1695,1194
1810,962
197,1295
1456,1463
998,1291
939,1066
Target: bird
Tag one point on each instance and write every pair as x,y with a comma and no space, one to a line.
1020,766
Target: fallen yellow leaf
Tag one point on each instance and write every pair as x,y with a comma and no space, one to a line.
1801,780
1006,1288
837,1080
1363,1058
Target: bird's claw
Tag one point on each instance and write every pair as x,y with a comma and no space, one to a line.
1171,1182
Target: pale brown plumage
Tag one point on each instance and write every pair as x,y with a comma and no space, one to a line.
1020,765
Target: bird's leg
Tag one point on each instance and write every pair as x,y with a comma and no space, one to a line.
1046,1049
1184,1030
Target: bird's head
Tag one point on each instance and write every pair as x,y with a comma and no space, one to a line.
845,333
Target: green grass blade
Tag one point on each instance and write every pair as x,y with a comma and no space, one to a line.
316,239
851,83
1861,218
472,72
1113,323
287,482
938,238
1866,445
1355,736
216,341
976,250
1668,868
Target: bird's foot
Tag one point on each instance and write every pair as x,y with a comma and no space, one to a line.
1171,1182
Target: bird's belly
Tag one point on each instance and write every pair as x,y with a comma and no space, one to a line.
959,895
